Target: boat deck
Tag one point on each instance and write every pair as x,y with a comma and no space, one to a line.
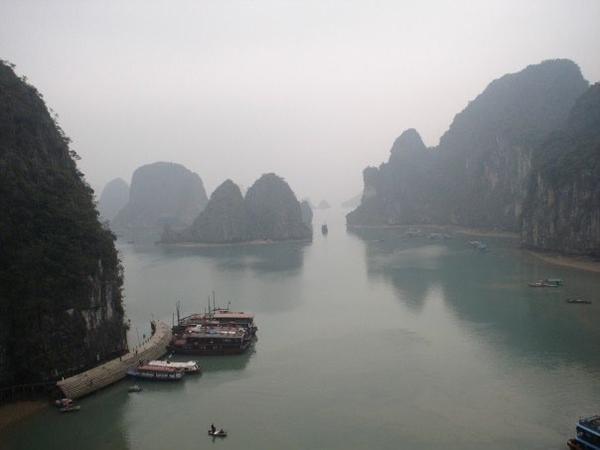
592,423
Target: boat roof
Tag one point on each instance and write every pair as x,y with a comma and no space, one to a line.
232,315
148,368
218,314
591,423
172,363
224,332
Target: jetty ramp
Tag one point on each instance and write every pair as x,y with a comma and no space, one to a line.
112,371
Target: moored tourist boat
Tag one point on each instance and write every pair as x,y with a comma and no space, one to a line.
219,316
185,366
588,434
211,340
156,373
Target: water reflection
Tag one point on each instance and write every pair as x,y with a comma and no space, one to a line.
93,425
490,290
274,257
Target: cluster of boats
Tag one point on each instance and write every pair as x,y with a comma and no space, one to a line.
217,332
558,282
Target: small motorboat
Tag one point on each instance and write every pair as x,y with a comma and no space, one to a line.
543,283
218,433
578,301
135,388
64,402
70,408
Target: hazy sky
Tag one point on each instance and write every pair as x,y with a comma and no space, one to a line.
314,91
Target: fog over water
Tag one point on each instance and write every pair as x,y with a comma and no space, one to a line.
314,91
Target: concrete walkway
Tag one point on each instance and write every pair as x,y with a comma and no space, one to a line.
112,371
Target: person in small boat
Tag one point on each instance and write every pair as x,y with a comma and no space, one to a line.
213,429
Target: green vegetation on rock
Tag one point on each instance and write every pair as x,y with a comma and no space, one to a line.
60,277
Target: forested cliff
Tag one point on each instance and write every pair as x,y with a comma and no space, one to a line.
562,210
480,173
60,277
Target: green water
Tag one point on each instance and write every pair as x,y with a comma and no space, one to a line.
365,341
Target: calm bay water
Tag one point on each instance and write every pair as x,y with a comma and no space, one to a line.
366,340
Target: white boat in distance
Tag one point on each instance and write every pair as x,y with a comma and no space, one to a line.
186,366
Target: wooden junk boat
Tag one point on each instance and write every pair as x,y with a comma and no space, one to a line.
211,339
219,317
156,373
216,332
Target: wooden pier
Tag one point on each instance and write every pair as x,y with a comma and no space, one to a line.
110,372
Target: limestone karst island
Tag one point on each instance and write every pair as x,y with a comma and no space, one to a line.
299,225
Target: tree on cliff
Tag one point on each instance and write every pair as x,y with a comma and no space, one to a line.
60,277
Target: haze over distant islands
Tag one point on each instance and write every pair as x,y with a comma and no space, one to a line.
161,193
352,202
113,198
323,204
268,212
480,175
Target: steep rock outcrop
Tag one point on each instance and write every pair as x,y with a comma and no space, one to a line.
269,211
60,278
273,211
562,211
307,213
478,174
162,194
113,198
222,221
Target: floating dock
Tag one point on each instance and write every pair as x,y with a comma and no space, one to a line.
110,372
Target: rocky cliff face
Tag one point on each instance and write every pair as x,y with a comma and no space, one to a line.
162,194
307,213
273,211
562,211
60,278
113,198
478,174
222,221
270,211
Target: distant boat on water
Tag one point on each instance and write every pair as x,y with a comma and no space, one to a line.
324,229
579,301
548,282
